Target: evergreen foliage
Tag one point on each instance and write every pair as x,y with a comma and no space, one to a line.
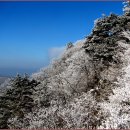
69,45
17,100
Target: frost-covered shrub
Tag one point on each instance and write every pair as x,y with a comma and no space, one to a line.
68,72
79,112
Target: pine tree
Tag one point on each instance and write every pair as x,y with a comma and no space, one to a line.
17,100
69,45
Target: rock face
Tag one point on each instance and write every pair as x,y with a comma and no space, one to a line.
89,85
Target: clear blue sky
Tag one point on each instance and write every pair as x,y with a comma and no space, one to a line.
28,30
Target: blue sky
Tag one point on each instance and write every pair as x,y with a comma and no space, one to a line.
30,32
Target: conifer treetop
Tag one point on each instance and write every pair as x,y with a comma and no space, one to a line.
126,8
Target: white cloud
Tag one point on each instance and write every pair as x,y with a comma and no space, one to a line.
56,52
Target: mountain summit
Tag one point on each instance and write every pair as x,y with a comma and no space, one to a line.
87,87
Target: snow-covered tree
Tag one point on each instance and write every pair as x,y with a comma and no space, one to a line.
126,7
16,101
69,45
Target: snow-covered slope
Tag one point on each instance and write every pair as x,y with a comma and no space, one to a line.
64,98
83,92
89,85
71,95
